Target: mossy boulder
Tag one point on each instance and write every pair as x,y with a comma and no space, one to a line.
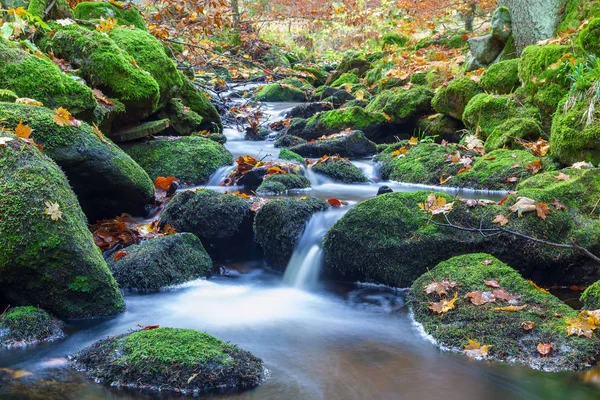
170,360
279,225
501,77
576,12
359,66
280,184
373,124
307,110
106,180
183,120
58,9
591,297
285,154
340,170
199,102
402,105
346,144
440,127
192,160
490,111
8,96
508,134
394,39
222,222
22,326
128,15
453,99
299,83
276,92
574,136
38,78
497,170
316,75
589,37
501,330
346,79
106,66
288,141
160,262
53,264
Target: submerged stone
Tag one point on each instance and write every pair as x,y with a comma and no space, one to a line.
280,184
22,326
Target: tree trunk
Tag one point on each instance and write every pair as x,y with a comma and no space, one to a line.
235,8
470,18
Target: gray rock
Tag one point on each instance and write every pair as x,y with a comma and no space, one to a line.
354,144
485,48
501,24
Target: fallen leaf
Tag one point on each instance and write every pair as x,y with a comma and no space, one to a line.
441,287
545,349
582,165
542,210
511,308
360,95
492,283
413,141
275,171
99,133
106,25
558,205
487,262
539,289
490,158
443,180
562,177
53,210
62,117
402,151
29,102
480,298
101,97
500,219
164,183
523,205
504,295
119,254
4,140
23,131
443,306
151,327
527,326
512,179
334,202
580,327
475,350
535,167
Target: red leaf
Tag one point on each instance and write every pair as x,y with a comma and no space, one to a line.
334,203
119,254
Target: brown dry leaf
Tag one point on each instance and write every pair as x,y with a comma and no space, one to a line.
562,177
511,308
443,306
99,133
535,167
523,205
101,97
506,296
527,326
558,205
545,349
512,179
500,219
539,148
23,131
475,350
436,205
441,287
542,210
164,183
581,327
480,298
492,283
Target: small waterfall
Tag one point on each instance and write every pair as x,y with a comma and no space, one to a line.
219,175
305,265
315,178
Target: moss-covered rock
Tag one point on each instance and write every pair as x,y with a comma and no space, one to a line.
106,180
199,102
591,297
350,63
402,105
501,78
507,134
39,78
53,264
285,154
192,160
162,261
299,83
279,184
222,222
340,170
276,92
171,360
497,170
8,96
440,127
279,225
347,78
288,141
106,66
373,124
317,75
576,12
307,110
501,330
22,326
589,38
125,16
574,136
60,9
346,144
453,99
489,112
394,39
183,120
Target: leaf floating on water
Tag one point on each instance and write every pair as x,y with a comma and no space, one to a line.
480,298
440,287
545,349
475,350
335,203
53,210
443,306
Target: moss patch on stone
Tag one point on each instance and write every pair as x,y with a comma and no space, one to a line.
199,102
285,154
453,99
124,16
340,170
279,184
591,297
347,78
353,144
507,134
401,105
21,326
502,77
276,92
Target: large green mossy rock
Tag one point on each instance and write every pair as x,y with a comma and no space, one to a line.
192,160
160,262
352,144
279,225
501,330
127,15
106,66
347,78
510,132
199,102
279,184
276,92
106,180
488,112
350,63
222,222
501,77
53,264
23,326
340,170
589,38
40,79
58,9
373,124
171,360
591,297
402,105
575,135
183,121
453,99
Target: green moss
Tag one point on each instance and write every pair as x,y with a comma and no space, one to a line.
453,99
40,258
495,169
347,78
500,330
276,92
572,139
510,50
104,65
502,77
340,170
450,40
301,84
394,39
318,75
199,102
149,54
278,184
401,105
80,284
160,262
589,38
353,144
192,160
106,180
335,121
279,225
418,78
507,134
26,325
489,112
182,119
591,297
285,154
439,127
289,140
124,16
60,9
40,79
349,64
8,95
577,11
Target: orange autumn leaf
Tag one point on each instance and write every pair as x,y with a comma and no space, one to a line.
413,141
119,254
535,167
545,349
501,220
480,298
150,327
276,171
334,202
23,131
62,117
402,151
164,183
542,210
443,306
440,287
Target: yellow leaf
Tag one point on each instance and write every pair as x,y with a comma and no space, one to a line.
29,102
413,141
23,131
62,117
475,350
106,25
536,287
442,307
360,95
53,210
511,308
99,133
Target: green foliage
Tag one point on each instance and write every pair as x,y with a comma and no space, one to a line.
508,133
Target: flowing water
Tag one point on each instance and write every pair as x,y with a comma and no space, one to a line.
319,340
